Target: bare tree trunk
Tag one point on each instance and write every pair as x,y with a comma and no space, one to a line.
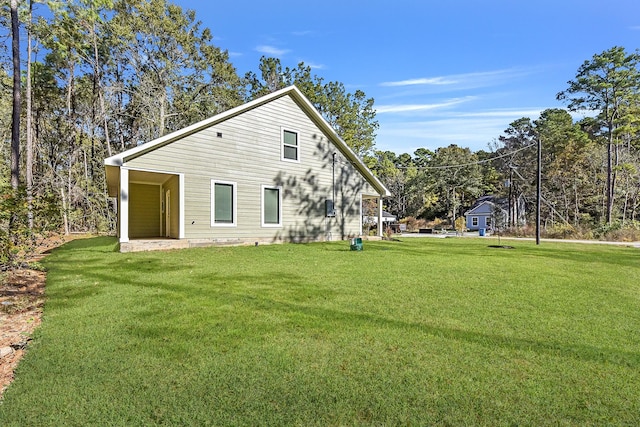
15,114
65,218
98,78
66,204
576,212
29,164
162,118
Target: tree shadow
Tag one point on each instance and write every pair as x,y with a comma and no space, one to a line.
355,320
338,180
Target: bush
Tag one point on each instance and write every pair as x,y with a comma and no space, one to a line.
17,240
14,230
413,224
618,231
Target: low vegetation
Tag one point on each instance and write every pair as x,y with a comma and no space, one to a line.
411,332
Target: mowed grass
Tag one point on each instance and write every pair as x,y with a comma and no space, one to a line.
413,332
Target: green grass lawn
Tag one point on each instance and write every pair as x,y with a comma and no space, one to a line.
415,332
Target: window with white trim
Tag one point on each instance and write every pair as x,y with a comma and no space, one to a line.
271,206
290,146
487,221
223,204
474,221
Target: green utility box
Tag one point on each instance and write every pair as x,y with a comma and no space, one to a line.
356,244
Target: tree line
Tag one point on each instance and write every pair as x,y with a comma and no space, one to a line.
84,79
103,76
590,167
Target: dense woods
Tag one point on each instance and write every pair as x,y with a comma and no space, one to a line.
84,79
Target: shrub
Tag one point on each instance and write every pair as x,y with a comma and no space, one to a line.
618,231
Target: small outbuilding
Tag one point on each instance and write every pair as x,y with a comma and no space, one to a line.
484,215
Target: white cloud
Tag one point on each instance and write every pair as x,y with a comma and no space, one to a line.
315,66
403,108
532,113
473,129
302,33
422,81
271,50
479,79
407,136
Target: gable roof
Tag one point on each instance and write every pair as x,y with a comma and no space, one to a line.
476,210
291,91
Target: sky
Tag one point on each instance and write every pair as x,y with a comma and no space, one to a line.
440,72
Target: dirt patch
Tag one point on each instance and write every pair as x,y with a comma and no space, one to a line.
21,302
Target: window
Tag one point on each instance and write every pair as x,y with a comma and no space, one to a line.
271,206
223,204
290,148
474,221
487,221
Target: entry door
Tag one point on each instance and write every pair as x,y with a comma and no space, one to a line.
167,213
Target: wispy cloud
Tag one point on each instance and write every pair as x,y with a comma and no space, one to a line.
635,28
475,129
403,108
302,33
271,50
532,113
485,78
314,66
422,81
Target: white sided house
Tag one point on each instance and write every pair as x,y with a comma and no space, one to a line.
272,170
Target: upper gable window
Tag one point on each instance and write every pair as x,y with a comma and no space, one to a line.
290,145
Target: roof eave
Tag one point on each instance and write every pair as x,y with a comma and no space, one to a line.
296,94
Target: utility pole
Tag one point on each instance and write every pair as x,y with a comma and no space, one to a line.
539,190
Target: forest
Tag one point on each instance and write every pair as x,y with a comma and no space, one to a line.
84,79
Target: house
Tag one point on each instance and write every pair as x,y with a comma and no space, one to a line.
485,214
271,170
490,211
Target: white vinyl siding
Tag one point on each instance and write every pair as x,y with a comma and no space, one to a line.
271,206
250,155
223,204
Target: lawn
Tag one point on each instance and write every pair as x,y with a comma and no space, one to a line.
413,332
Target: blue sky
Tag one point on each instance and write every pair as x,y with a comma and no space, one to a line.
441,72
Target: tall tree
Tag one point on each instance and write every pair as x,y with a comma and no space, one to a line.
608,84
566,151
517,162
15,114
352,115
457,178
172,75
29,122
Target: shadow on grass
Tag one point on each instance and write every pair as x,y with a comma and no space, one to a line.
101,270
565,350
